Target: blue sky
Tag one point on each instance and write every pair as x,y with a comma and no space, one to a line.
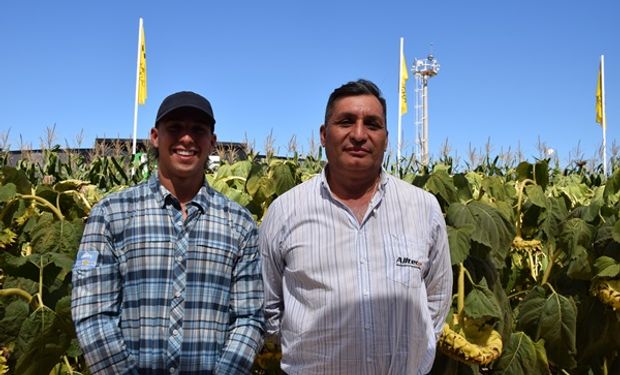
513,73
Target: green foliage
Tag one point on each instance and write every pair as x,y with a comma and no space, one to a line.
532,241
459,239
46,224
544,238
481,304
522,356
43,338
491,230
607,267
551,317
14,315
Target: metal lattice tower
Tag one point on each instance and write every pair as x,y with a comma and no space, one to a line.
423,70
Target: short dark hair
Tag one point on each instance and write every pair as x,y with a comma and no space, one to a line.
355,88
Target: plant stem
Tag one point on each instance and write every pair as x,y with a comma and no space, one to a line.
551,288
518,293
9,292
460,302
35,303
471,280
520,189
43,202
40,294
82,198
66,361
549,266
533,266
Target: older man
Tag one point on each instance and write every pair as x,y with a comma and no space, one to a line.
356,262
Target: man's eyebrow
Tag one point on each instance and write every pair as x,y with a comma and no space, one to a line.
379,119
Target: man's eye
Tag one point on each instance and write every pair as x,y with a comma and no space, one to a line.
374,124
345,121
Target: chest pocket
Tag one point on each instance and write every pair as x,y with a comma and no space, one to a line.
406,262
213,245
210,260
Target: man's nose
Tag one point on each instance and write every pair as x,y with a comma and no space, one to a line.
185,135
358,132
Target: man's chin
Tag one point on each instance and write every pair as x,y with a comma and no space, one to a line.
360,166
187,171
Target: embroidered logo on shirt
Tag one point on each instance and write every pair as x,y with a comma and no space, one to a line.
408,262
87,259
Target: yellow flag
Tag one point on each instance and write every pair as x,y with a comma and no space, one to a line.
404,76
599,97
142,68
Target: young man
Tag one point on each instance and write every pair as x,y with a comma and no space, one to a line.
355,262
167,278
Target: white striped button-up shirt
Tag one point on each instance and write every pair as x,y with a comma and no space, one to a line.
351,298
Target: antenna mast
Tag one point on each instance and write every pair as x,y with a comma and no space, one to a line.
423,70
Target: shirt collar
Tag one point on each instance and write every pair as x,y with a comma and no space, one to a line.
383,180
161,194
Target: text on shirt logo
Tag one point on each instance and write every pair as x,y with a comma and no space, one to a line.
407,262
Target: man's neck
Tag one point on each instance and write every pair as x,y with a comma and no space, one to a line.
352,187
355,193
183,189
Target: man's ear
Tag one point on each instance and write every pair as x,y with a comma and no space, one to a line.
155,137
322,132
387,139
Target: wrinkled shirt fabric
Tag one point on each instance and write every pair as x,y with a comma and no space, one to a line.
346,297
154,293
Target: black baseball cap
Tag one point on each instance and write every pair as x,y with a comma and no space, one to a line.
188,102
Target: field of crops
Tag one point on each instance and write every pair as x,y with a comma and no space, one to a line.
535,252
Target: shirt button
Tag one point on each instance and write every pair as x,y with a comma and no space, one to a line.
177,294
172,370
175,332
179,259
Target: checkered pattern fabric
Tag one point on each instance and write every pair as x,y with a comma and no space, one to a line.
169,295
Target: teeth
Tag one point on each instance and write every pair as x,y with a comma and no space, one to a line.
185,152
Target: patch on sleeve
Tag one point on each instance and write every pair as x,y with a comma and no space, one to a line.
86,259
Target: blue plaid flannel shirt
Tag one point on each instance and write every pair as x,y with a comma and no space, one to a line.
155,294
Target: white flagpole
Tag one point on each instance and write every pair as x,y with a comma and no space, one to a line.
135,109
604,117
400,80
